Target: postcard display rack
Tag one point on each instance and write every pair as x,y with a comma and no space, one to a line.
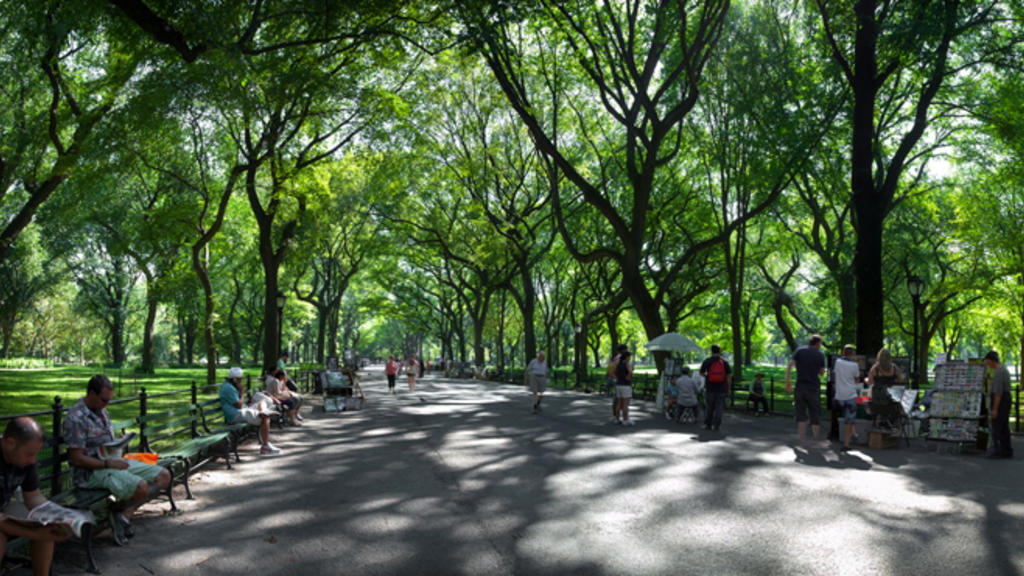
673,369
955,413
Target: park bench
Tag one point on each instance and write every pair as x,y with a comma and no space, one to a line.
174,435
56,470
214,423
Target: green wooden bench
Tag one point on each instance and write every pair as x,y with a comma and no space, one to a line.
213,422
174,435
98,501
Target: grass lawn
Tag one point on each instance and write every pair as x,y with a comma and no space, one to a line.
34,390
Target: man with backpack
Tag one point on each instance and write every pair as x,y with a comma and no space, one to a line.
718,381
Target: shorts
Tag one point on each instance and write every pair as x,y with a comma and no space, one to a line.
623,391
249,415
807,405
538,384
122,483
849,408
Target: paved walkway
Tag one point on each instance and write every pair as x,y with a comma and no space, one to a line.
459,478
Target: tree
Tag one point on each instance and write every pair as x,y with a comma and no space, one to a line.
898,58
49,111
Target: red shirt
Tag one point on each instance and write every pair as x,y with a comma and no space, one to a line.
391,368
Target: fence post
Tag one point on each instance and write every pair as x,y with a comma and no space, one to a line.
194,409
55,454
1018,406
772,396
143,438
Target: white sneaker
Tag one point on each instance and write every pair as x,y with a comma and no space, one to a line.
667,417
299,416
628,422
269,448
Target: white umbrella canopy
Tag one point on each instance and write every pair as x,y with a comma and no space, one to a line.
673,342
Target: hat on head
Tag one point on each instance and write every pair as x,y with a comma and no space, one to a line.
235,372
623,347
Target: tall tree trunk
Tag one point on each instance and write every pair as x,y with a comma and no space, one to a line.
869,210
148,349
117,341
236,340
181,337
527,308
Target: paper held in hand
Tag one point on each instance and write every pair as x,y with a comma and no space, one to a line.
116,448
49,513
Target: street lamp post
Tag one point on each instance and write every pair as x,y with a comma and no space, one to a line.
281,298
579,356
915,285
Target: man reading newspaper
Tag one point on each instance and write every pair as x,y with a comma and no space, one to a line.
21,442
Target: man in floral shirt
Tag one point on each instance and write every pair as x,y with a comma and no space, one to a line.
86,428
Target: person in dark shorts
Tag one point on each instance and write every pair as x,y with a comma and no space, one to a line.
613,365
810,365
717,384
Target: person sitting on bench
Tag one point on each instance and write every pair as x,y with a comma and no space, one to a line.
133,483
277,390
757,394
22,440
258,413
282,361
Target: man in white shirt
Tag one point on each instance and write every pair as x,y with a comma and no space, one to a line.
847,374
536,377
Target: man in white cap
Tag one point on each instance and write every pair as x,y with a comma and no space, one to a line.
257,414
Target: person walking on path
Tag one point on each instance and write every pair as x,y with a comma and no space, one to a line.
624,386
536,378
19,446
611,383
411,367
391,371
718,378
999,410
847,373
810,365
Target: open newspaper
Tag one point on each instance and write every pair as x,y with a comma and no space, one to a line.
116,447
49,513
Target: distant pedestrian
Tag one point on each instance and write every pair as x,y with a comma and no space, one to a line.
391,371
411,367
718,383
536,378
757,394
999,408
847,374
810,365
611,383
624,386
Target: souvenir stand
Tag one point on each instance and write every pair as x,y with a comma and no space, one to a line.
340,388
673,343
955,415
